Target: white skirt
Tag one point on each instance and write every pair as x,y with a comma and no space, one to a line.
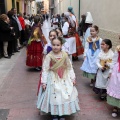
71,45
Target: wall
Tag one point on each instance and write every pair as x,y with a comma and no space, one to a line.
8,5
106,15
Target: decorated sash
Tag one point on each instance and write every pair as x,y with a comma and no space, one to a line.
93,45
58,66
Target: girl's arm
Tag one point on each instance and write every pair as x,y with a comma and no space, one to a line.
45,70
86,48
100,43
98,62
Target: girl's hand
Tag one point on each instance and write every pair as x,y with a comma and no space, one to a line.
44,86
74,82
102,68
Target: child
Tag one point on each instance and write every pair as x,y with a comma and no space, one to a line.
113,88
58,94
35,46
92,49
55,22
103,62
65,44
48,47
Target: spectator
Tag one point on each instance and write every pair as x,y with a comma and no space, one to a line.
22,22
5,31
19,25
11,43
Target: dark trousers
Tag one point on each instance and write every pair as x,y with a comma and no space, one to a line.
1,49
22,39
15,45
10,47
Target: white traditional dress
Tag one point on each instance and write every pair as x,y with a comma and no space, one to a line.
60,97
102,77
69,39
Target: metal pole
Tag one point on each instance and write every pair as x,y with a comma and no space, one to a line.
79,11
70,2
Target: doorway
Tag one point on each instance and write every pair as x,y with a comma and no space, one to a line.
18,8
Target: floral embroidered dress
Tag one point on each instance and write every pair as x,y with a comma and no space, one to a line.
113,88
60,97
92,49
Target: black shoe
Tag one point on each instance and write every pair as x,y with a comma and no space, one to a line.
7,57
17,51
38,69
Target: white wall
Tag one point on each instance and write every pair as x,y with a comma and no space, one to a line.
106,13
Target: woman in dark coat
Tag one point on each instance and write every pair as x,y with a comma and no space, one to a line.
14,24
5,32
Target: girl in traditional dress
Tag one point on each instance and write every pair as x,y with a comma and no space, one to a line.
104,61
48,48
35,46
64,43
79,46
54,34
88,23
55,22
58,95
92,49
69,34
113,88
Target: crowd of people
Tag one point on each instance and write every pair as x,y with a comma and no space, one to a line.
15,30
57,93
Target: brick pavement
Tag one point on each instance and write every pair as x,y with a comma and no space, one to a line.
18,94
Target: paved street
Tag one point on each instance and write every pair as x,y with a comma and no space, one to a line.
18,88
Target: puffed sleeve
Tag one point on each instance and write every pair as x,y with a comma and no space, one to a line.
45,67
98,61
100,42
65,28
70,69
86,48
114,61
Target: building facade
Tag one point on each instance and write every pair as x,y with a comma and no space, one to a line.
28,6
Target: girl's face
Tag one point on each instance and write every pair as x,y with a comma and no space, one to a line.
56,46
52,36
59,33
104,46
93,32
